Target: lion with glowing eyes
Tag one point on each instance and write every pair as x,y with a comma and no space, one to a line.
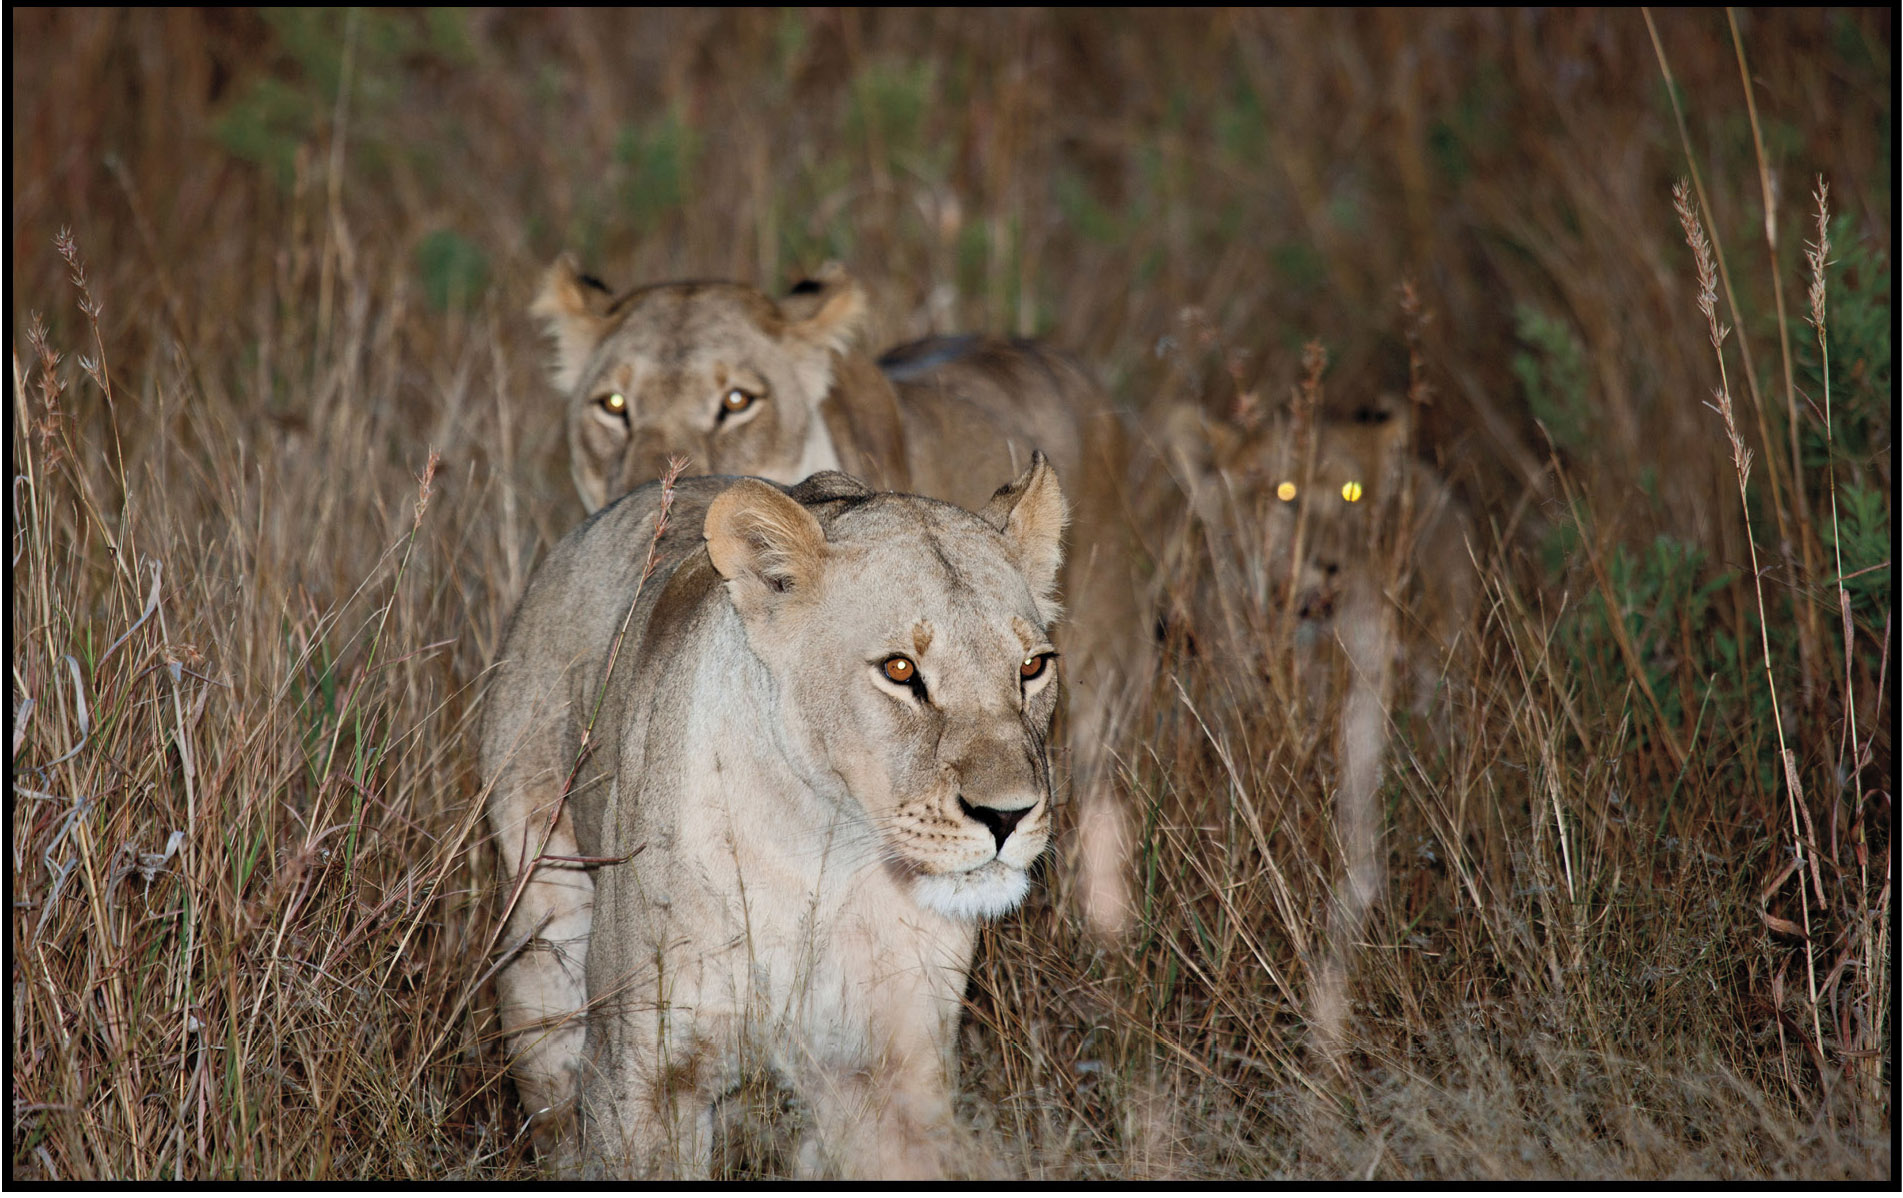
1306,523
818,759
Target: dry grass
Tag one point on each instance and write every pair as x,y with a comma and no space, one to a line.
283,460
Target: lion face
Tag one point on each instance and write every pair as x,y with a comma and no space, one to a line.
716,373
920,692
1312,523
1310,529
1340,508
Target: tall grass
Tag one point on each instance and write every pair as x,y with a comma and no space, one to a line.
282,461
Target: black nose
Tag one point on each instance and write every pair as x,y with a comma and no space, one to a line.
999,821
1316,604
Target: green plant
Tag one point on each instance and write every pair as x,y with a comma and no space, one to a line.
455,270
1553,376
1858,280
658,157
889,111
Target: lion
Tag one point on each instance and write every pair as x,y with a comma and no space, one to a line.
754,807
1292,533
738,382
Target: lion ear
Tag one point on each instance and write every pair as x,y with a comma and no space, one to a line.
1224,443
1382,432
827,310
762,542
1030,511
1398,428
1191,440
1199,450
573,308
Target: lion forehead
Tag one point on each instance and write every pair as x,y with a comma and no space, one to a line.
674,326
926,557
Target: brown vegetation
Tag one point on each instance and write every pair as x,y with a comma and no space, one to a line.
283,458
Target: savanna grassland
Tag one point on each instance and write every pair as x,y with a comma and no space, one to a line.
282,458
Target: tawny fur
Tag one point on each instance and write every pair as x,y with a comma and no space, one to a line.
786,853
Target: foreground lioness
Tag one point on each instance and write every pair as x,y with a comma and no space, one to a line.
819,761
740,383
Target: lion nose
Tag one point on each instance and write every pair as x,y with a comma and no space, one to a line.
997,819
1317,604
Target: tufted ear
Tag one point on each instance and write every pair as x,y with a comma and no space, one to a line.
827,310
1031,513
573,308
1377,435
763,543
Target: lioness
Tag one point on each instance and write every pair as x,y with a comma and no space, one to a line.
817,760
741,383
1283,528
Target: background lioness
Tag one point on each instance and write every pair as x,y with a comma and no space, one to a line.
1296,522
822,759
741,383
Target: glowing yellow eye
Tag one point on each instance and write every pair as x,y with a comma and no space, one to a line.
1351,491
615,402
1285,492
900,669
736,400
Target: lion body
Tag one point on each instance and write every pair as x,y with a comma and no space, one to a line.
768,860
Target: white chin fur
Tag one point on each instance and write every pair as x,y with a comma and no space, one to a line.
990,890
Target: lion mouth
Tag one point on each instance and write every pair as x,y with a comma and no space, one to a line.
985,892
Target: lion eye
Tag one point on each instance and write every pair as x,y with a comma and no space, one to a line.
736,401
901,670
614,403
1285,492
1351,491
1033,666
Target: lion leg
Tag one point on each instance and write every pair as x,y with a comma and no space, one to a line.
543,992
636,1136
645,1115
1104,852
1110,660
887,1121
1104,864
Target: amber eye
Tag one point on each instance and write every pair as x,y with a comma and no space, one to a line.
736,401
614,403
1032,667
900,670
1285,492
1351,491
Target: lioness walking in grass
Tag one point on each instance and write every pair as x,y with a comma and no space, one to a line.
755,803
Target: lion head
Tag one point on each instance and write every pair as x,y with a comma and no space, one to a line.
719,373
912,644
1313,513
